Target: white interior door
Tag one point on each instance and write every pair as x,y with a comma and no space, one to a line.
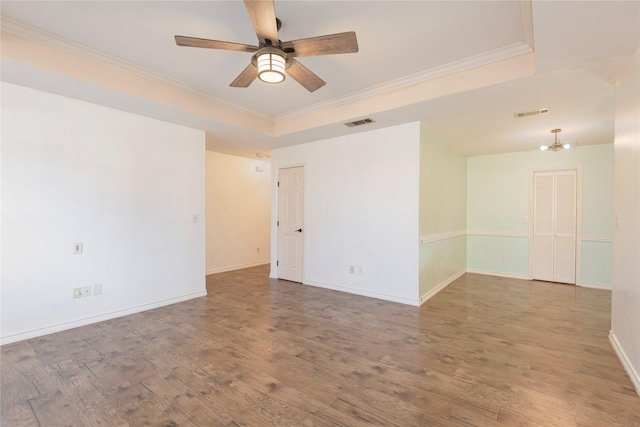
290,223
554,226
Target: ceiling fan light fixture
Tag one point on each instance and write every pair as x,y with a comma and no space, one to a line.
271,65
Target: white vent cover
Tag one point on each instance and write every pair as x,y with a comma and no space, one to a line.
359,122
531,113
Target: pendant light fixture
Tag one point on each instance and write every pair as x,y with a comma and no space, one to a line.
556,146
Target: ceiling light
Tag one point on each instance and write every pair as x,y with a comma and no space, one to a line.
271,64
556,145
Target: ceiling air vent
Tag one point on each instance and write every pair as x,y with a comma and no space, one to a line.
359,122
531,113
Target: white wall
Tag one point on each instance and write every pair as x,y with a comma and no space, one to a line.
361,209
625,310
126,186
238,212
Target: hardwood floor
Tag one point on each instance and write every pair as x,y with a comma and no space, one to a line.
485,351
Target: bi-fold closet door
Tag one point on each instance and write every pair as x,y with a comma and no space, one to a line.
555,225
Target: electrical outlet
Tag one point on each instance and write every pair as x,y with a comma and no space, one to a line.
77,293
525,218
97,289
503,258
86,291
352,269
77,248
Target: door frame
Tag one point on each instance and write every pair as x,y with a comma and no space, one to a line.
578,170
275,209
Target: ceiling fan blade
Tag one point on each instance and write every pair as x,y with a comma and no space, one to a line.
323,45
246,77
304,76
214,44
263,17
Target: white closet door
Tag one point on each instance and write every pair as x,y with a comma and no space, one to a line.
555,219
543,226
565,225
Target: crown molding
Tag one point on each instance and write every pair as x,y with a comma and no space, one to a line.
47,39
423,76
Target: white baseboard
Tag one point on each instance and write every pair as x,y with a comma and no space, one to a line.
235,267
498,274
595,286
430,294
99,318
633,375
364,293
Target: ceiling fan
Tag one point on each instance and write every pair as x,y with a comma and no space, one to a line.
272,56
556,146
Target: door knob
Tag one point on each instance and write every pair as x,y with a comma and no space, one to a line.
299,230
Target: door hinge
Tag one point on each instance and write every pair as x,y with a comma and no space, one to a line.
277,223
278,183
277,263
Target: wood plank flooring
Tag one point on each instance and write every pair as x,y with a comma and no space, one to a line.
485,351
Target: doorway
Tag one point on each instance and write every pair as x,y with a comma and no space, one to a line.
555,225
290,223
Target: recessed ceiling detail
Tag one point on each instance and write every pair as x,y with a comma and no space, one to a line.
152,46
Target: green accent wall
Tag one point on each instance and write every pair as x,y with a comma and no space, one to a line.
443,211
498,197
597,263
484,254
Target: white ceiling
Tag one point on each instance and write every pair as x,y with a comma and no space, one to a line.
580,48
